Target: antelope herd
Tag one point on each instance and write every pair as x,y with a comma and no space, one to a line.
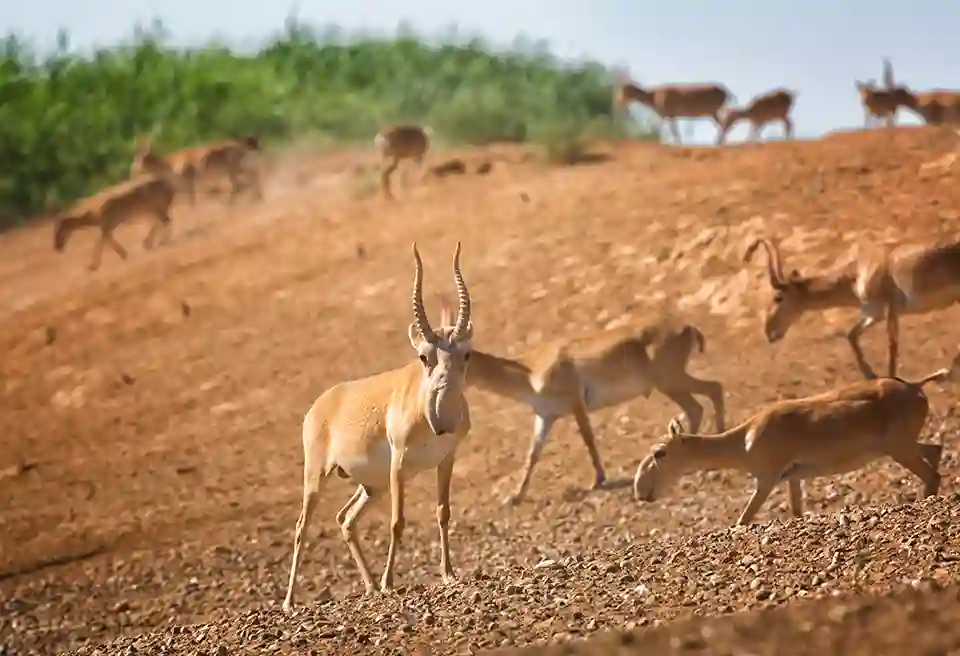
380,431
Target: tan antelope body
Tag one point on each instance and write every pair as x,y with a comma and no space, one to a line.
907,280
822,435
228,157
578,376
382,430
675,101
879,103
772,106
935,107
145,195
397,143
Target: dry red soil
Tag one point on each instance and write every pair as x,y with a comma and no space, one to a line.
151,464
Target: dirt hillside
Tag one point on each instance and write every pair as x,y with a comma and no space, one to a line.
151,469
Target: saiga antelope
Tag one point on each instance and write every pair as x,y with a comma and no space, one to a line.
227,157
397,143
935,107
772,106
143,195
882,103
822,435
382,430
902,282
675,101
576,376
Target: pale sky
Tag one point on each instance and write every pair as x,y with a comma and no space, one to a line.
817,47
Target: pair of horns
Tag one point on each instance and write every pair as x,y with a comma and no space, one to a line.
463,296
774,261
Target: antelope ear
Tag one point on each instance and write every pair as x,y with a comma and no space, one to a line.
416,339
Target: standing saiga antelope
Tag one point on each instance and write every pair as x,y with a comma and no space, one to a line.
382,430
907,280
771,106
675,101
822,435
228,157
576,376
397,143
881,103
150,195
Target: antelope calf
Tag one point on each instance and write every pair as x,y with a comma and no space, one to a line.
397,143
382,430
675,101
904,281
149,195
772,106
823,435
227,158
577,376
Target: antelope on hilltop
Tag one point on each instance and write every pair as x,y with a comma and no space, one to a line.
771,106
904,281
881,103
397,143
382,430
228,157
935,107
675,101
150,195
576,376
827,434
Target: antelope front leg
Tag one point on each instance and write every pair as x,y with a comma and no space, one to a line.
396,519
854,338
893,339
590,440
765,486
444,476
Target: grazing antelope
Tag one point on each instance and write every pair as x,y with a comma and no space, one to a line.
382,430
826,434
143,195
772,106
227,157
905,281
675,101
580,375
397,143
935,107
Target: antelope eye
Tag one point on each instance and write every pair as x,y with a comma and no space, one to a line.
778,298
423,359
466,356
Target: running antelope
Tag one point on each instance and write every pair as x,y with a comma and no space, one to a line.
772,106
143,195
229,158
908,280
826,434
397,143
676,100
382,430
577,376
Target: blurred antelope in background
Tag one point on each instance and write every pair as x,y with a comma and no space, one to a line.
675,101
774,105
397,143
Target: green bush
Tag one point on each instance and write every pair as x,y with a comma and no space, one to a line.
68,120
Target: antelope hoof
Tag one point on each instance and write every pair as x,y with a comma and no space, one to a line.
450,579
599,484
288,607
512,501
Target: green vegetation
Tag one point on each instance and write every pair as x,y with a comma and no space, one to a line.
68,119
